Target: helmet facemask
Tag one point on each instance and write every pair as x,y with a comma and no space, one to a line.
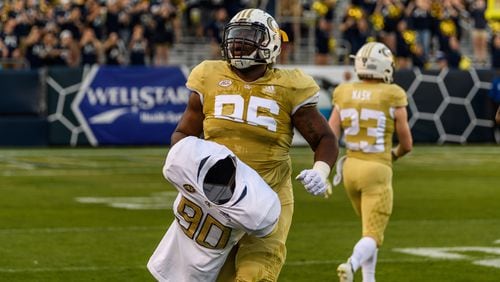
244,44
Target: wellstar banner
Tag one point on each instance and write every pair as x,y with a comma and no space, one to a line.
131,106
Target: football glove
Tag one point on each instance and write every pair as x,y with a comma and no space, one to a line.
315,180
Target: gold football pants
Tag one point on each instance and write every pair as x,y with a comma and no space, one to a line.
259,259
369,187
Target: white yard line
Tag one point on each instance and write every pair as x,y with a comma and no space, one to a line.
457,254
50,230
121,268
70,269
138,228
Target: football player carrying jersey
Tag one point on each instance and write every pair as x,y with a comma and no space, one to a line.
220,199
367,113
246,104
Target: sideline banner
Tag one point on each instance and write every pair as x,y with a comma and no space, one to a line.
131,106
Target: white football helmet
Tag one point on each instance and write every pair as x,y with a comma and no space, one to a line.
252,37
374,61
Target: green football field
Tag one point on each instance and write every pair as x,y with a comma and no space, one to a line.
90,214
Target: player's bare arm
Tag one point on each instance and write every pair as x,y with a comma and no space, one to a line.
315,130
191,123
403,132
334,122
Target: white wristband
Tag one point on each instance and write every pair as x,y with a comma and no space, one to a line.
323,169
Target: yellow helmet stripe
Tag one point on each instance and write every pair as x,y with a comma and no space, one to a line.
368,49
246,13
240,15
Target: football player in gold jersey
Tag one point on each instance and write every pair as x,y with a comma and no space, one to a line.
367,113
249,106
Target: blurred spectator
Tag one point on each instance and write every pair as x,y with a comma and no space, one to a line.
234,6
324,26
193,20
441,60
114,50
70,49
23,22
421,20
479,32
11,39
32,48
418,58
495,51
138,47
215,30
4,51
355,28
51,53
72,22
118,19
140,14
61,13
454,55
448,17
90,47
368,6
289,14
405,39
96,18
112,23
392,12
165,31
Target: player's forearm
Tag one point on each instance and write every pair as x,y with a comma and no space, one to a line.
176,137
404,134
327,150
334,122
399,151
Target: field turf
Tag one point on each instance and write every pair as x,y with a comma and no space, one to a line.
88,214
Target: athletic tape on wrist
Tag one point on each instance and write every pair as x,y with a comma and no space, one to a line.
323,169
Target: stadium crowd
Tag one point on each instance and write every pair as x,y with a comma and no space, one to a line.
420,30
141,32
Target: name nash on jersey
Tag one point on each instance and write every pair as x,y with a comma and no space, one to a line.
361,95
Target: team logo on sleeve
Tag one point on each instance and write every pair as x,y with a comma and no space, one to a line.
189,188
225,83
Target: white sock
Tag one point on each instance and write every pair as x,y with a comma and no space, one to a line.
368,268
363,251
